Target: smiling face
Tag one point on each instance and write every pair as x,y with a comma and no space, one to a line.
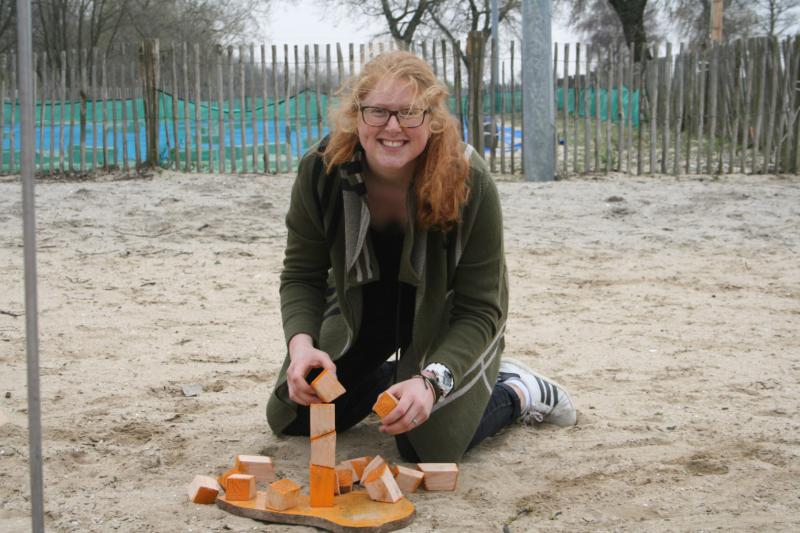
392,150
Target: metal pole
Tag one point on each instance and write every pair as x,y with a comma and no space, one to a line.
26,99
538,114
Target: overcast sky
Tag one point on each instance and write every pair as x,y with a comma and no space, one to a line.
308,22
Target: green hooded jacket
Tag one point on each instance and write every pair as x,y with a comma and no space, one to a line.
461,292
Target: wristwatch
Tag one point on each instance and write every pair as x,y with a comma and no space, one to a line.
441,377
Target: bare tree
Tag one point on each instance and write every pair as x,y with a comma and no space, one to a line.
631,14
407,21
218,21
456,19
638,19
775,17
607,21
594,19
60,25
694,19
64,24
402,17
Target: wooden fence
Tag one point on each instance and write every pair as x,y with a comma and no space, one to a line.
719,109
195,108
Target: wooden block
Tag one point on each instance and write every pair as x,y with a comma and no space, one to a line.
203,489
394,469
259,466
322,483
323,419
223,478
327,387
374,463
282,494
344,480
367,460
381,486
408,479
323,450
385,404
356,466
240,487
439,476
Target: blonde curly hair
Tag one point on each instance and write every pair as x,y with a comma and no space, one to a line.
440,183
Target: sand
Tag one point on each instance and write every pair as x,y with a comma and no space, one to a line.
668,307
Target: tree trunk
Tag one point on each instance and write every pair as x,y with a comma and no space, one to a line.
631,16
149,57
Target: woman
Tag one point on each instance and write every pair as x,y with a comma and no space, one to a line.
395,247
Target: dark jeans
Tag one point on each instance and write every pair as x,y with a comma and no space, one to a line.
362,391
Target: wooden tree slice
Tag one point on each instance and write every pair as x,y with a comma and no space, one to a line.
351,512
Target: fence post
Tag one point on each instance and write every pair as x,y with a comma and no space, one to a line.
475,77
148,63
794,158
492,97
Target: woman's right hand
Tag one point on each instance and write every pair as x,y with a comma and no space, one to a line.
304,358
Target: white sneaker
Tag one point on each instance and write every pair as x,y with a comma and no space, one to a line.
555,406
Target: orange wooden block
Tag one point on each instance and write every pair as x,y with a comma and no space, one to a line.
327,387
323,450
439,476
241,487
223,478
381,486
323,419
259,466
356,466
322,482
374,463
408,479
203,489
282,494
385,404
344,480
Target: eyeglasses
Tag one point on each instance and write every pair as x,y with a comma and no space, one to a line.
379,116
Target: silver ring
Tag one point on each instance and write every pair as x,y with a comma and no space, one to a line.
414,421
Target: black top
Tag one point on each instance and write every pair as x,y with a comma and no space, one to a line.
383,299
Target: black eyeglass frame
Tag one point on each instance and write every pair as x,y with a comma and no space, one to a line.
395,114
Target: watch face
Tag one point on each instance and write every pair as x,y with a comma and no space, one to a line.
446,379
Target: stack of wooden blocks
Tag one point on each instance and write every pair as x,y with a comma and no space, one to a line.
382,481
323,483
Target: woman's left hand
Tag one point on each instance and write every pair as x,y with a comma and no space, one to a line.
415,402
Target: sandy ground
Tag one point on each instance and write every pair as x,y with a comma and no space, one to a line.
669,308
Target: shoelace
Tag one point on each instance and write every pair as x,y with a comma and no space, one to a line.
532,416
